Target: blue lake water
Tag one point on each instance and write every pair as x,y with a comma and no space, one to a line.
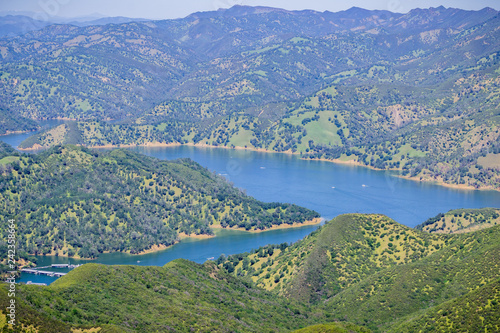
328,188
15,139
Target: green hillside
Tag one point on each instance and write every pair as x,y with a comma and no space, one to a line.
476,311
458,269
73,201
372,271
354,270
182,296
333,328
10,123
461,220
384,94
338,255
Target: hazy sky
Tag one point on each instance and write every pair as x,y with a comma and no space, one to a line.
162,9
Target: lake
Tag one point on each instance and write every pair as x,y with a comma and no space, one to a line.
330,189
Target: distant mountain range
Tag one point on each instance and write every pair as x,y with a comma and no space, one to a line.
15,25
412,92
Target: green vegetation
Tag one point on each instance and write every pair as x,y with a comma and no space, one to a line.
7,153
384,94
59,135
474,312
73,201
328,257
182,296
372,271
461,220
333,328
364,270
15,123
380,89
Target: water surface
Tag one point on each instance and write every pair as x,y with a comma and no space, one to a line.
330,189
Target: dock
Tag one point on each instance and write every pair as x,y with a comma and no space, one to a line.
36,284
39,272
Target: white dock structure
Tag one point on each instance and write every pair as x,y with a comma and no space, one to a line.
39,272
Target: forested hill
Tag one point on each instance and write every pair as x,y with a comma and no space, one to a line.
415,92
78,202
180,297
461,220
370,270
357,269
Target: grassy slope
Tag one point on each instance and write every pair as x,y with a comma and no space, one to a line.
59,135
340,254
349,268
477,311
380,300
181,296
333,328
461,220
342,272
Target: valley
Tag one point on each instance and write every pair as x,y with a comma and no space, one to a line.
252,169
316,91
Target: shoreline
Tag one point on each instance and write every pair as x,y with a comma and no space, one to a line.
36,146
56,118
349,162
314,221
39,127
178,144
16,132
152,249
415,179
453,186
263,150
182,235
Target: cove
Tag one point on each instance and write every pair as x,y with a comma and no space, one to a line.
15,139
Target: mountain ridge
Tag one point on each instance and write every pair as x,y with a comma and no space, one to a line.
394,90
454,278
369,270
